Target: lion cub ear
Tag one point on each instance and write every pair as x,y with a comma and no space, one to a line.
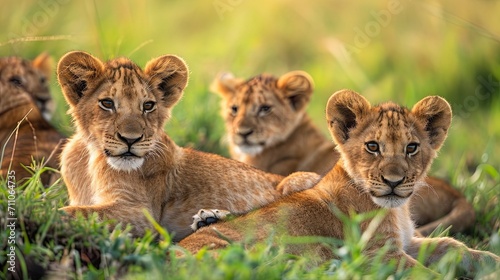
435,113
225,84
77,73
298,87
44,63
168,74
344,110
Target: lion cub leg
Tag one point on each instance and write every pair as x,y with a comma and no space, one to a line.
439,246
405,261
295,182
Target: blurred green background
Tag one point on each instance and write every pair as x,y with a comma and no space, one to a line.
399,50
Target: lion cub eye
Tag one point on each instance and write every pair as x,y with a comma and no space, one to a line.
148,106
372,147
412,149
107,104
234,110
16,80
264,110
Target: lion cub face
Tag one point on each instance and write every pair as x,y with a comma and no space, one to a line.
263,110
120,106
13,97
387,149
29,77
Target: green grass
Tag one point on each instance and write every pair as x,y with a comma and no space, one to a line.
85,248
46,237
424,48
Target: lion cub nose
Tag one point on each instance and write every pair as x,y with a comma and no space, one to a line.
129,140
393,181
245,132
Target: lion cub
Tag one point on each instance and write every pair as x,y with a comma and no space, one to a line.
24,92
120,161
268,127
33,76
385,153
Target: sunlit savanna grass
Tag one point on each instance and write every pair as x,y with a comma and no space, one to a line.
419,48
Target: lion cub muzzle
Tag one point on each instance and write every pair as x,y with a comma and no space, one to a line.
126,150
392,188
129,141
394,175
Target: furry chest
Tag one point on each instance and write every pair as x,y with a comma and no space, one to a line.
405,226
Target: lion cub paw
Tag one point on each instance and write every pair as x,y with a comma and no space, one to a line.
298,181
206,217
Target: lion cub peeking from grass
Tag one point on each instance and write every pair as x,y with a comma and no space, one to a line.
25,92
120,161
385,152
268,127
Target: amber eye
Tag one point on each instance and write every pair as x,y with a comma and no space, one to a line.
234,110
107,104
412,149
372,147
148,106
264,110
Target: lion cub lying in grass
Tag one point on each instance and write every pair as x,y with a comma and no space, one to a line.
268,128
385,153
120,161
24,92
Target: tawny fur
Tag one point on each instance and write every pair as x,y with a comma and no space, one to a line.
120,161
24,92
33,76
287,141
358,183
